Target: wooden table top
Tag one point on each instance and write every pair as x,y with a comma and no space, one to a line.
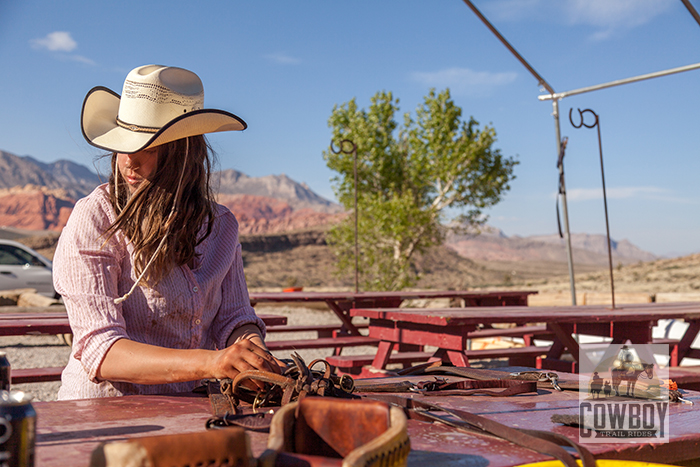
528,314
68,431
62,316
405,295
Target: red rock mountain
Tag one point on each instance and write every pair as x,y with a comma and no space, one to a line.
263,215
34,208
39,196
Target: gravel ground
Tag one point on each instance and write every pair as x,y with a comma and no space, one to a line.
48,351
36,352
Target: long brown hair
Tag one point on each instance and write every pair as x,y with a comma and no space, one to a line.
145,216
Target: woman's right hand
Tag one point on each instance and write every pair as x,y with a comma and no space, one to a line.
243,355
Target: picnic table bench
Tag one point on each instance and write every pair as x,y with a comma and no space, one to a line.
56,323
517,356
321,330
527,355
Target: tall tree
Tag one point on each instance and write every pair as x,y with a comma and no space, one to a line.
408,176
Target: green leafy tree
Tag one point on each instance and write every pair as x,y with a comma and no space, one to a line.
408,176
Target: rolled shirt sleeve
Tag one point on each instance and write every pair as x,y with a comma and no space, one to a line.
86,271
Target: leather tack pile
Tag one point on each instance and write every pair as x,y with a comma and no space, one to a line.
316,418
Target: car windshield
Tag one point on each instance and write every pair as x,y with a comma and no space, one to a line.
13,256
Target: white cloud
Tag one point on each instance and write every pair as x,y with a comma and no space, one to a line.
464,81
81,59
629,192
58,41
283,59
618,13
606,16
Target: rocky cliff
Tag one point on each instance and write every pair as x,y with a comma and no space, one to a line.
34,208
39,196
262,215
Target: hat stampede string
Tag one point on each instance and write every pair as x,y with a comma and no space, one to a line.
168,223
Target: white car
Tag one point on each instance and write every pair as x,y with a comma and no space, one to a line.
23,268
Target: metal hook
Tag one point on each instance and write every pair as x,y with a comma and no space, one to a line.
353,150
343,145
605,198
580,113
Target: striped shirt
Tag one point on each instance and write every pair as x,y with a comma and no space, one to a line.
191,308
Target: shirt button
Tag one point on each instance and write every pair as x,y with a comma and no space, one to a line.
195,289
197,321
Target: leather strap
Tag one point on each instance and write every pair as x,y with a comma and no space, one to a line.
442,387
544,379
250,421
221,404
471,387
539,441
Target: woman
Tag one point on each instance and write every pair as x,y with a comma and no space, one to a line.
149,266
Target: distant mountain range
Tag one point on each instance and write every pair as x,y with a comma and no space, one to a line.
74,179
493,245
77,181
298,195
39,196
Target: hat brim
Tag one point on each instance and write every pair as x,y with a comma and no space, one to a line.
98,122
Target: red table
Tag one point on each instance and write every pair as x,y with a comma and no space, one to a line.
56,322
447,328
68,431
342,302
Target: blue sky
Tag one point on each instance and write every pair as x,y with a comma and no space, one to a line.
282,66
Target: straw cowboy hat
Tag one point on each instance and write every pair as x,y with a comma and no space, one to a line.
158,104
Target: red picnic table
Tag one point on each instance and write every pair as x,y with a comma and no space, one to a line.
68,431
342,302
449,328
56,322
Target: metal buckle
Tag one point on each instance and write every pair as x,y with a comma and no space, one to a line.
540,376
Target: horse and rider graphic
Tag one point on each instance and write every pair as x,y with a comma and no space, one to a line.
624,368
630,376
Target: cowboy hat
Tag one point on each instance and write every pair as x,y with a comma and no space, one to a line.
159,104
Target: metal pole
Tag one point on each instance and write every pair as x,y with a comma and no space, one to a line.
357,253
692,10
565,211
503,40
555,104
605,203
634,79
605,197
342,149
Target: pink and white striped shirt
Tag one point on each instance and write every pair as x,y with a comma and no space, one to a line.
191,308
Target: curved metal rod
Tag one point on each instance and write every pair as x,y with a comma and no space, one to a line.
353,151
342,145
583,123
596,123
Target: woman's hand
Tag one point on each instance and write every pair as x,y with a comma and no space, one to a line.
246,351
244,355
